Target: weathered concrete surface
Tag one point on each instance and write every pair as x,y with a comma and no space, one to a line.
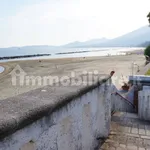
128,133
140,80
60,118
146,87
144,105
120,103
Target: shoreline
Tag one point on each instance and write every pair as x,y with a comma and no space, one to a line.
75,54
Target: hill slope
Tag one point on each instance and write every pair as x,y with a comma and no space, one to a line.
134,38
86,43
145,44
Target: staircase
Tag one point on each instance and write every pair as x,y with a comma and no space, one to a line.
120,103
128,132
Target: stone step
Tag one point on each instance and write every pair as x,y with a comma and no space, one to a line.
118,140
127,136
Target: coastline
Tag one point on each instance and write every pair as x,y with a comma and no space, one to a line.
76,53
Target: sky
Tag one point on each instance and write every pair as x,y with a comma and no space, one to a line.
57,22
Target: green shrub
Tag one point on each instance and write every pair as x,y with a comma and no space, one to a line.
147,51
148,73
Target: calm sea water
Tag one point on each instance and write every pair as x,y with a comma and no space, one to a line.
93,52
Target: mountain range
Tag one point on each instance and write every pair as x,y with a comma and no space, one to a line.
86,43
132,39
137,38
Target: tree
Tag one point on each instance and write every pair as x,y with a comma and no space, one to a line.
147,54
147,51
148,16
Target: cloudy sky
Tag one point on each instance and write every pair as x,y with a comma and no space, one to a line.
56,22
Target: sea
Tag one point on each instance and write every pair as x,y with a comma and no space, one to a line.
89,52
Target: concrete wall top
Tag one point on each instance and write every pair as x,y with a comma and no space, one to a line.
139,78
146,87
22,110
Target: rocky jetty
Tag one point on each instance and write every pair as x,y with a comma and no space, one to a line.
23,56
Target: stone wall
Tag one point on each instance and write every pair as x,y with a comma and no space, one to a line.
56,118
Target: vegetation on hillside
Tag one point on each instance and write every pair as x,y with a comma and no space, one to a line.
148,16
148,73
147,51
145,44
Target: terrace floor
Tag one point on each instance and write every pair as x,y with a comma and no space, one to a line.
128,132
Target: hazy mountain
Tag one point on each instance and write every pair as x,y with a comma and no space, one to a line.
95,41
73,44
27,50
139,37
145,44
134,38
88,43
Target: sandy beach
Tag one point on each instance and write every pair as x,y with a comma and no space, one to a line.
62,67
